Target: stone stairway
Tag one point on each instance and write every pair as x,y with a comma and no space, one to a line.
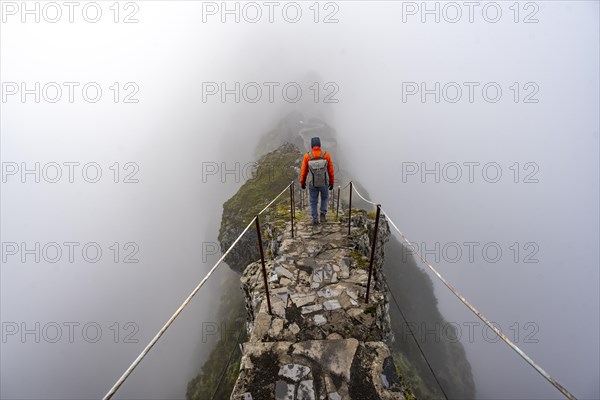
323,341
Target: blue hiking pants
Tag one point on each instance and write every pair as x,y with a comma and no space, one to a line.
313,192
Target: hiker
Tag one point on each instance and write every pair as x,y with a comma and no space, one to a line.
318,168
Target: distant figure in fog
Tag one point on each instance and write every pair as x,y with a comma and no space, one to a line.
318,168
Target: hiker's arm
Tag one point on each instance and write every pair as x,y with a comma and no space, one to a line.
330,168
304,169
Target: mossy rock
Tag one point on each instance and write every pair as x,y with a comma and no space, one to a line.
274,172
361,262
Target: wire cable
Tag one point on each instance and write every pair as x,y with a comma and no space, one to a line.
273,201
227,365
144,352
361,196
416,341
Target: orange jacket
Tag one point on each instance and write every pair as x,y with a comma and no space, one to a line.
316,152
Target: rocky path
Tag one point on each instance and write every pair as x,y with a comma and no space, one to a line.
322,340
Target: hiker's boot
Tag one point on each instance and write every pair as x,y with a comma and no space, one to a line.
315,221
323,217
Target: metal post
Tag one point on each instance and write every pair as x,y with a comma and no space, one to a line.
294,198
332,197
373,245
292,206
350,209
337,211
262,259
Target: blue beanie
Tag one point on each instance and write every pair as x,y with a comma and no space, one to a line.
315,142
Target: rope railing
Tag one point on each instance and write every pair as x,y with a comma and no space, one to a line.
275,199
483,318
166,326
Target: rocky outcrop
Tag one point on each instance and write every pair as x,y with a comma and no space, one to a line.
322,341
274,171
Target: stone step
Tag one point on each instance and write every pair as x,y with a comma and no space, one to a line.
317,369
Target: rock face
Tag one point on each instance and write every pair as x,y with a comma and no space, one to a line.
322,341
273,172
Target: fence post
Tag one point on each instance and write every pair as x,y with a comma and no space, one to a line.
292,206
373,245
262,259
337,211
350,209
332,198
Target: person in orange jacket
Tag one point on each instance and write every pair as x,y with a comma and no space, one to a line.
323,184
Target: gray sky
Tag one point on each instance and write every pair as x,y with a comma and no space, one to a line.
371,61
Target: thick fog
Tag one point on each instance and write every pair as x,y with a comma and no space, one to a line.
476,128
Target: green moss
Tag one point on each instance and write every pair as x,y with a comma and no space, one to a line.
408,375
275,171
267,234
283,209
359,232
280,225
361,262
